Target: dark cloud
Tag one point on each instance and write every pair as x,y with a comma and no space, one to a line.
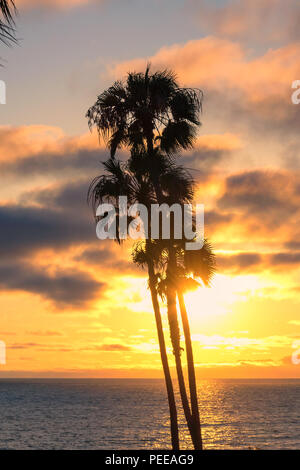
215,219
23,345
241,262
64,288
255,262
97,256
68,163
294,244
52,218
55,218
87,161
107,258
204,159
285,258
273,116
28,229
70,196
269,198
109,347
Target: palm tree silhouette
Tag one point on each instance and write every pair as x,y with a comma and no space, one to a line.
120,181
175,277
7,23
176,185
145,111
154,117
200,264
187,268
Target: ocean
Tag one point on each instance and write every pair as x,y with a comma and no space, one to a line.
116,414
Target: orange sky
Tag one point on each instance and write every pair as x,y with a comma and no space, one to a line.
74,306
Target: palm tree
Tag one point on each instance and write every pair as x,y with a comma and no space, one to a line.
190,268
163,252
177,186
7,23
120,181
180,190
181,265
153,116
200,264
135,180
147,111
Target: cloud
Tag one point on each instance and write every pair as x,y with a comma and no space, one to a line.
23,345
69,197
210,150
32,151
220,64
271,199
257,89
255,263
53,219
260,344
55,216
201,61
294,244
273,21
215,219
115,347
109,260
28,229
64,288
52,164
241,262
110,348
29,151
60,4
16,142
286,259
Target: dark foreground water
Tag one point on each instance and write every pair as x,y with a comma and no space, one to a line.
133,414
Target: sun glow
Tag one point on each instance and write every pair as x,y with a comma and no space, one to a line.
207,303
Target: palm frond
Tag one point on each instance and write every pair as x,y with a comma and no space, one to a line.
133,111
7,22
201,263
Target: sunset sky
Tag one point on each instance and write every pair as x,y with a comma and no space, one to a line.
74,306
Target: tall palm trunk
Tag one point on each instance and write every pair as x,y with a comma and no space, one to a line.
172,312
191,369
164,360
175,339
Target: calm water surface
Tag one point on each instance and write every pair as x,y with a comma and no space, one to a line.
133,414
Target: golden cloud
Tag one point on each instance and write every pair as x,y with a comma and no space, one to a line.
219,64
22,141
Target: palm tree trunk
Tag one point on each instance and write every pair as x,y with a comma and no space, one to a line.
175,339
191,370
164,360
